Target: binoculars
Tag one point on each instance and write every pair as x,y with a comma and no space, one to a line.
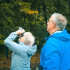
22,34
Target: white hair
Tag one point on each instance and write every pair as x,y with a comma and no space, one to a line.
29,38
60,20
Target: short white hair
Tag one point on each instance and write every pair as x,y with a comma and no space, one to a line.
29,38
60,20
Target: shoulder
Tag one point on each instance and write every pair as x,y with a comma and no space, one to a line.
52,40
52,43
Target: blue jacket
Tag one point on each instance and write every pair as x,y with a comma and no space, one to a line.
21,53
55,54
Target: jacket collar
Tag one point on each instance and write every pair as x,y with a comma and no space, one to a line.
46,38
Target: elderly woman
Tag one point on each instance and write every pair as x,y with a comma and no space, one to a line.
23,51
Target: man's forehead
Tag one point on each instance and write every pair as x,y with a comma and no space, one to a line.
51,18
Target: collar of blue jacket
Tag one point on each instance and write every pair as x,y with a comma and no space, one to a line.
61,35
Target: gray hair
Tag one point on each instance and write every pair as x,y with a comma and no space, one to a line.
60,20
29,38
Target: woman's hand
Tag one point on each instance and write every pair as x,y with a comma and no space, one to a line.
20,31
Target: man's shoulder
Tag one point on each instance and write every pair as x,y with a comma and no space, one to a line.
52,39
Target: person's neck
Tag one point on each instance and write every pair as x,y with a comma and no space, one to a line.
53,31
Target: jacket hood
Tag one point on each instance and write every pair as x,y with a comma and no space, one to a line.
64,36
32,50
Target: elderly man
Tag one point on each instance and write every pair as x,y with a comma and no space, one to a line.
23,51
55,54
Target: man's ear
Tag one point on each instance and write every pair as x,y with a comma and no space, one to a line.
53,24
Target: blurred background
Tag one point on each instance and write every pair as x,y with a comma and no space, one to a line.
32,15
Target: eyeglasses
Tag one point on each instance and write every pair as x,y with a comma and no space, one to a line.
47,20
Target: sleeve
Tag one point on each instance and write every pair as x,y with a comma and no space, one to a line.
13,46
51,57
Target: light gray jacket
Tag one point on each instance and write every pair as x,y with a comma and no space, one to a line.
21,53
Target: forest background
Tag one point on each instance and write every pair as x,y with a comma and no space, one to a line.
32,15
